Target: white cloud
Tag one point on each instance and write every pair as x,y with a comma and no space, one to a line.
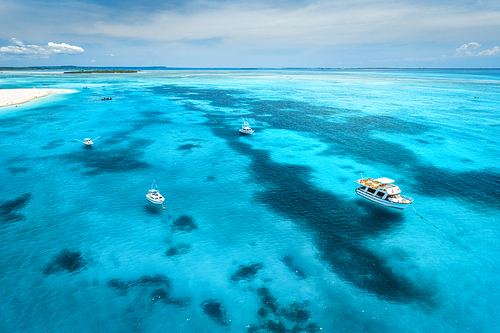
16,41
112,55
92,61
64,48
37,51
465,49
495,50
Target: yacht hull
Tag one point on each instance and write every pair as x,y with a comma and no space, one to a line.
381,201
155,202
246,132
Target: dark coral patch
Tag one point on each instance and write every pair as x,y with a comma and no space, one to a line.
157,280
148,281
184,223
177,250
159,295
296,312
66,260
210,178
247,272
273,317
9,209
267,300
188,146
276,327
262,312
423,141
162,288
215,311
313,328
117,284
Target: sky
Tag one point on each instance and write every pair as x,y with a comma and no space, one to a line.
251,33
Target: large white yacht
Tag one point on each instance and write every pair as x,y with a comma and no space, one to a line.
154,195
383,191
246,128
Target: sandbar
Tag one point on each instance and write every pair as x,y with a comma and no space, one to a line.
17,96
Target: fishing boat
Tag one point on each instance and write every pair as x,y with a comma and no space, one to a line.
245,129
88,142
383,191
154,195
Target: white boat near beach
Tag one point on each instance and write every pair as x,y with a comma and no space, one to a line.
383,191
154,195
87,141
245,129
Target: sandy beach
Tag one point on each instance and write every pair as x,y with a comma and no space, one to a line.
18,96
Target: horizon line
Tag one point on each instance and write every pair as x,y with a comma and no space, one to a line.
243,68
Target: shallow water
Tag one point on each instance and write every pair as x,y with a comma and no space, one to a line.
259,233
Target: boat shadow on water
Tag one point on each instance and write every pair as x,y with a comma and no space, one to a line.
387,219
153,210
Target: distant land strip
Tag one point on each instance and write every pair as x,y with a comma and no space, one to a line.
102,71
77,68
155,68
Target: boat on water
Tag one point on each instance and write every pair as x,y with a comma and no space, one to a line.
88,142
383,191
106,98
154,195
246,129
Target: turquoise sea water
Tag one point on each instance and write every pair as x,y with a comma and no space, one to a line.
259,233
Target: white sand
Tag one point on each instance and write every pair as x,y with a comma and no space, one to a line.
18,96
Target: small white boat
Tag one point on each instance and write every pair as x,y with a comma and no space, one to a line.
154,195
383,191
245,129
88,142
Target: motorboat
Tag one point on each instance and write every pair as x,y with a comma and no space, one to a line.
245,129
106,98
383,191
154,195
88,142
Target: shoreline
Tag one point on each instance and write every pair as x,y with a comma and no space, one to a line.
10,97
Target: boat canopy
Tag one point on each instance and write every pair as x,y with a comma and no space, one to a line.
384,180
393,190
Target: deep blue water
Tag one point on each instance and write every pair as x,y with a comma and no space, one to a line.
260,233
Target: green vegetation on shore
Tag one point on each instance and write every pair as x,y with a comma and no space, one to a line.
102,71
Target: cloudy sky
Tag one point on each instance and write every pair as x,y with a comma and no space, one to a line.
251,33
